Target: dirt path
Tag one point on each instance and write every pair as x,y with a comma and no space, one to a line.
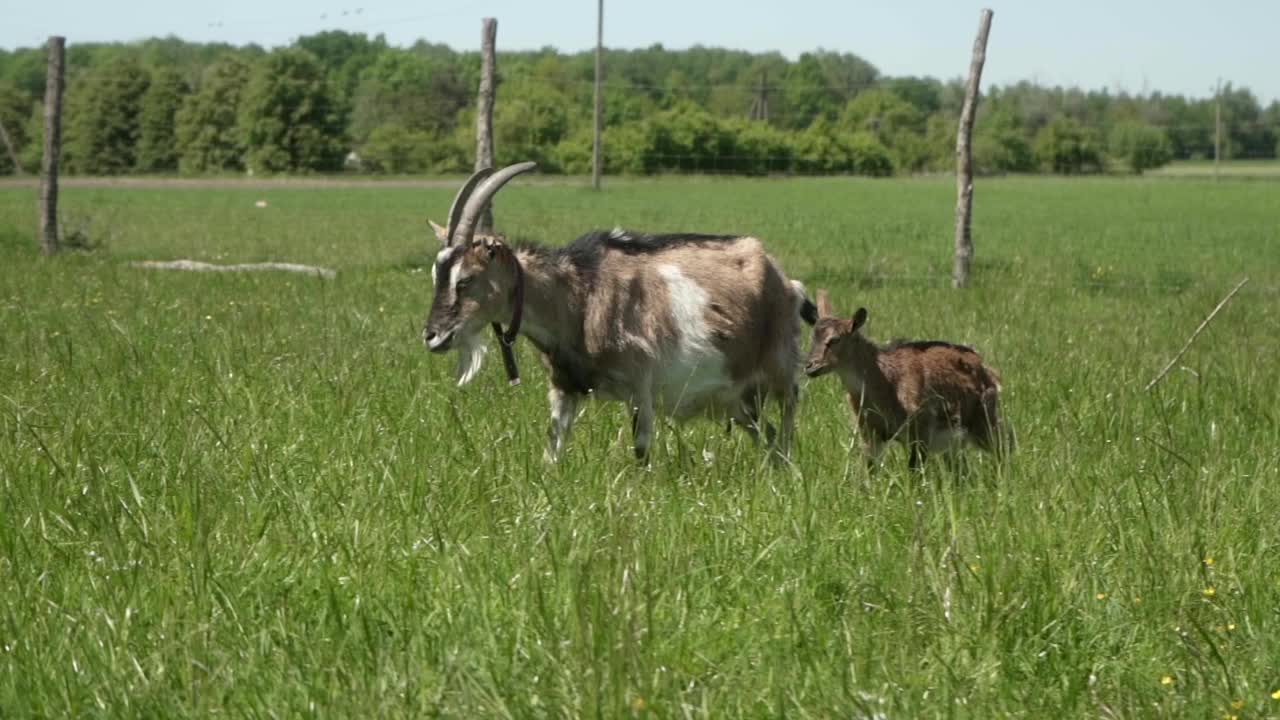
247,183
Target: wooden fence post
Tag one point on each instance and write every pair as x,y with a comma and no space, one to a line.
596,149
52,148
964,158
484,111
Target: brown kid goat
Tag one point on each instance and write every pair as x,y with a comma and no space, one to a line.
931,395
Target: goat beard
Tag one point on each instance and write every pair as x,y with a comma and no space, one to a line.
471,351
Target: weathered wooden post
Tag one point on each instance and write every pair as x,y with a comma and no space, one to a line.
484,111
596,160
52,148
964,158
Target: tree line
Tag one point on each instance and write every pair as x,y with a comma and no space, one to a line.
338,101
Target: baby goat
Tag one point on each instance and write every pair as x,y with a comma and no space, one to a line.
930,395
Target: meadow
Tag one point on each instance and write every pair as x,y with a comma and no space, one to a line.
257,494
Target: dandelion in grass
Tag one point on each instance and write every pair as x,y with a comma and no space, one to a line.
1137,600
1275,695
1231,626
1210,591
1167,680
1101,596
1208,561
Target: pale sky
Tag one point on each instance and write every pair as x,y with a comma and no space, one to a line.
1174,46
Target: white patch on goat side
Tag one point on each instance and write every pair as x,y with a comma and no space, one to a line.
697,367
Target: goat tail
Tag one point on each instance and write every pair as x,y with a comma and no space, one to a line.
807,310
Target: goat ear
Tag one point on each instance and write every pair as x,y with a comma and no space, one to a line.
824,304
859,318
441,233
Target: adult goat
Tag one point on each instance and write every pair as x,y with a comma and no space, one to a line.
684,323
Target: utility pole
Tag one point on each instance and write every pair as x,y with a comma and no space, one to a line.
760,105
596,159
1217,128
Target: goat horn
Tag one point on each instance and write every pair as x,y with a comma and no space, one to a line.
460,201
479,200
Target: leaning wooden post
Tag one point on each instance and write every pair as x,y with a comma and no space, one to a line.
964,159
484,111
598,100
52,148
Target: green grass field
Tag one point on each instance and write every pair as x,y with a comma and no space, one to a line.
1262,169
257,495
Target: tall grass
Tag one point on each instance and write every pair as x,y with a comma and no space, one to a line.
258,495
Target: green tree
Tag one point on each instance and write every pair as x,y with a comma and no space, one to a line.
689,139
103,111
845,75
1065,146
824,148
867,155
27,68
393,148
806,94
33,153
415,91
157,140
940,141
288,118
882,113
15,108
1000,145
1140,146
924,94
759,148
207,135
529,121
344,56
894,122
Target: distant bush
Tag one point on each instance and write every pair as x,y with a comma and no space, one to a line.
1002,150
1141,147
821,148
1064,146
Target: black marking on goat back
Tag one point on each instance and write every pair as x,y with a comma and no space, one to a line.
924,345
636,243
588,250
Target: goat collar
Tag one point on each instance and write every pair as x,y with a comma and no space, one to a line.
508,338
